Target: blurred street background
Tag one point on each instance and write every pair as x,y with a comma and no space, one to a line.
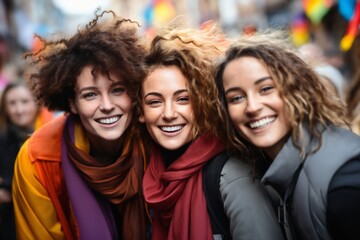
330,24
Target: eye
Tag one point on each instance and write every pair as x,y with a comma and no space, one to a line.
183,99
236,99
24,101
89,95
119,90
153,102
266,89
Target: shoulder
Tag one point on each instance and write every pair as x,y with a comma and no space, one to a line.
247,203
234,169
49,135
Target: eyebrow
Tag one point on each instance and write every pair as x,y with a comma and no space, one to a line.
94,87
158,94
256,82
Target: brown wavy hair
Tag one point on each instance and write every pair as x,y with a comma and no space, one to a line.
305,97
4,117
112,45
194,51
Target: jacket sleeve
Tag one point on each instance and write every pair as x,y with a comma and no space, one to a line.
247,204
35,215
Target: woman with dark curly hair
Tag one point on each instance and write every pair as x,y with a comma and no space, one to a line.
277,103
79,176
184,119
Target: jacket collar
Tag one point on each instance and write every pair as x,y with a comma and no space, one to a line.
45,143
281,171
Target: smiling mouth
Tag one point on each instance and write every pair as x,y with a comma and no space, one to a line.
109,120
261,123
171,129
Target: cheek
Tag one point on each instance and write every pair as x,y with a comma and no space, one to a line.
149,115
234,114
191,115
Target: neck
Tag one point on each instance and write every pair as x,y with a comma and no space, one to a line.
171,156
106,151
274,150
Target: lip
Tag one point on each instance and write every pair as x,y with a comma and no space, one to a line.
109,121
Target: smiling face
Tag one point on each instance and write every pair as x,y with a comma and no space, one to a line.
21,107
103,105
254,104
167,111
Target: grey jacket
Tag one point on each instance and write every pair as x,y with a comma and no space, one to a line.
247,204
310,193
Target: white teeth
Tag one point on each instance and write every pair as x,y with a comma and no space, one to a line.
171,128
263,122
108,120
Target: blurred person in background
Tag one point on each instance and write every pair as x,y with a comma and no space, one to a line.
353,91
19,117
333,79
79,176
353,103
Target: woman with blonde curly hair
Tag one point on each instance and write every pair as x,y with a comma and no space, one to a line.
79,176
277,103
184,120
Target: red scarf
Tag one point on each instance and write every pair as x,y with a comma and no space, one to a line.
176,193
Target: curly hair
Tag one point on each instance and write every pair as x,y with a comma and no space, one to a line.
194,52
305,97
108,46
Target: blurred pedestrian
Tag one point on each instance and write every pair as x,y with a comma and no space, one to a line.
353,102
19,113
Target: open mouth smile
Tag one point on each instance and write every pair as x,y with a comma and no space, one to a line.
171,129
261,123
109,120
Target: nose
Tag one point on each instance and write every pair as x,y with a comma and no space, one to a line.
169,111
106,103
253,105
19,108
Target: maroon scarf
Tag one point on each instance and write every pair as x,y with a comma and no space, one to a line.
176,193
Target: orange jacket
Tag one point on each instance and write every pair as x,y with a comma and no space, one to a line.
39,161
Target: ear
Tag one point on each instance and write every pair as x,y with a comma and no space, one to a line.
141,118
73,107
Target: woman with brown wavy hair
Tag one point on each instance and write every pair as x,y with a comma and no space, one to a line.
184,119
277,103
79,176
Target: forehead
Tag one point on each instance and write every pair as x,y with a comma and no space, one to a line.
87,77
164,79
18,92
243,69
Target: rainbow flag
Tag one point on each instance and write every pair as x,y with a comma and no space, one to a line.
352,30
315,10
300,30
159,12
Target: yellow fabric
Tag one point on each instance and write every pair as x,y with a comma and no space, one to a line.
34,212
81,141
43,117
